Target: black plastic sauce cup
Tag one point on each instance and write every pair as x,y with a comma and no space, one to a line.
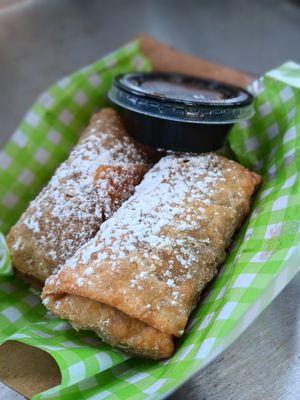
179,112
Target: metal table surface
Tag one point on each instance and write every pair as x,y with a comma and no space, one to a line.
40,41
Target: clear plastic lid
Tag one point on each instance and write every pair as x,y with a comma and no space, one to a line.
182,98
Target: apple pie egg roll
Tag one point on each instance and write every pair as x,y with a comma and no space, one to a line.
100,173
141,275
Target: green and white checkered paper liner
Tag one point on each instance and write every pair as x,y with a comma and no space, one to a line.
263,259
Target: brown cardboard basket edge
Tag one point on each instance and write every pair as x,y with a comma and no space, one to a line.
29,370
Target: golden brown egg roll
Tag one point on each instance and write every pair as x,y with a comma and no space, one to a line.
153,257
100,173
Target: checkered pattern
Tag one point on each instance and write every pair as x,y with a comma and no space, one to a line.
5,264
263,259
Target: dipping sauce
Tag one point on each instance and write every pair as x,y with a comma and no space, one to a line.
179,112
174,90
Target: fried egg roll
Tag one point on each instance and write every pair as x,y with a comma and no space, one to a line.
99,175
141,275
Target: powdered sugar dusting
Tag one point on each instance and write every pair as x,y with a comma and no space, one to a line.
158,203
85,190
156,227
